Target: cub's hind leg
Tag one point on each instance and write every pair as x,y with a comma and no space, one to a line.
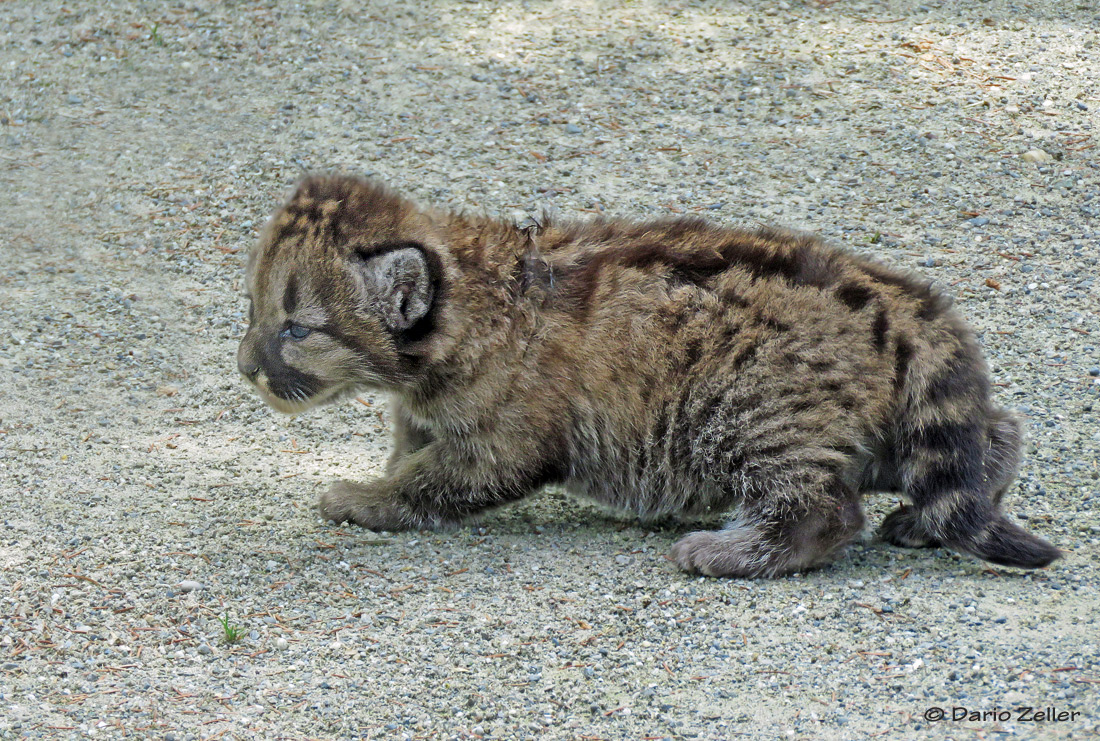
775,535
1002,455
783,450
903,527
957,456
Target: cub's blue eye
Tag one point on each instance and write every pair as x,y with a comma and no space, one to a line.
296,331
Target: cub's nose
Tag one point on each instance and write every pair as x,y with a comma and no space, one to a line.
246,362
247,368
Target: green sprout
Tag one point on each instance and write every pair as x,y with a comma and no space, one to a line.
230,633
155,36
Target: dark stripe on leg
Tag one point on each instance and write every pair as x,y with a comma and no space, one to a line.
960,380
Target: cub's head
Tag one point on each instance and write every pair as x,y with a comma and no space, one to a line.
344,289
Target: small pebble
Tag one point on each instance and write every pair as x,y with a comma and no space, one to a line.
1036,156
572,129
189,586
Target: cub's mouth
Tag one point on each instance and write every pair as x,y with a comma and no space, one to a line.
294,399
286,406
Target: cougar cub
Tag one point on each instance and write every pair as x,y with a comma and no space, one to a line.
668,367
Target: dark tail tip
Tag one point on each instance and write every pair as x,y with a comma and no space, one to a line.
1007,544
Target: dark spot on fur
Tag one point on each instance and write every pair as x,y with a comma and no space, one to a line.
731,451
336,230
848,450
802,405
948,478
947,437
854,296
773,323
764,451
290,295
692,352
932,302
676,319
879,330
960,380
763,266
729,334
307,210
732,297
680,442
743,357
903,355
660,427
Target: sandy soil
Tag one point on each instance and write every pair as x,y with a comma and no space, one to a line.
147,494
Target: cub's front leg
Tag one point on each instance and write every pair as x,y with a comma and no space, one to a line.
408,437
435,486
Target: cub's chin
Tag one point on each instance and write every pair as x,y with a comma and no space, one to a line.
304,404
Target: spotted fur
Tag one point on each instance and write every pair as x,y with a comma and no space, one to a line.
666,368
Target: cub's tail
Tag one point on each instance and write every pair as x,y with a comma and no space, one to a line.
1003,542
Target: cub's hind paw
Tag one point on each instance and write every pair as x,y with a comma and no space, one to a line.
902,528
346,501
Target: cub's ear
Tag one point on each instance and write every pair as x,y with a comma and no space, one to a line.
396,285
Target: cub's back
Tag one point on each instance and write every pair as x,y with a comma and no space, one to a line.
669,298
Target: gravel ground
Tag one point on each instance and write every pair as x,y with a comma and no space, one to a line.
147,494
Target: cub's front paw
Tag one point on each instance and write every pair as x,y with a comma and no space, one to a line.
731,552
365,505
